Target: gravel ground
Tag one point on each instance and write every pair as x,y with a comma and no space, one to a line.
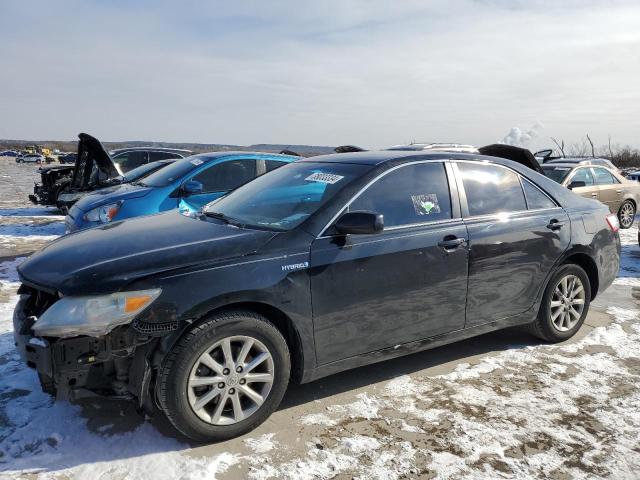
498,406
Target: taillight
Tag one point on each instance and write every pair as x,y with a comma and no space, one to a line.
613,222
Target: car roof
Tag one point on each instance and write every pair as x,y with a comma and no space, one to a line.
151,149
384,156
209,156
574,164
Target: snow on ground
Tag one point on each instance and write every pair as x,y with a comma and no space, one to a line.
568,411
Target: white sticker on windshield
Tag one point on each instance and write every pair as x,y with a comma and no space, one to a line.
197,161
324,178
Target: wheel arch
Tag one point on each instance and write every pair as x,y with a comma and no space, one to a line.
590,267
283,322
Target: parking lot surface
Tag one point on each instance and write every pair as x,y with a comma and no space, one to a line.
498,406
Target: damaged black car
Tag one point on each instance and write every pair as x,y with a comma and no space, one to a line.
95,168
322,265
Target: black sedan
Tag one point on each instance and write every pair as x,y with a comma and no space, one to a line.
322,265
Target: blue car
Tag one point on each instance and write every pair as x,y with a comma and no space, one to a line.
187,184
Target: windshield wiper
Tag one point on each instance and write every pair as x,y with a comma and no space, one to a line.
224,218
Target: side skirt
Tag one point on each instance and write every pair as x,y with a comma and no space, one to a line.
417,346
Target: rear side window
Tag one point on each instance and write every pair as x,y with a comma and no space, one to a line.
536,199
411,194
130,160
604,177
491,189
273,164
227,175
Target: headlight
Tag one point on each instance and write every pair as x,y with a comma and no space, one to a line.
92,315
103,214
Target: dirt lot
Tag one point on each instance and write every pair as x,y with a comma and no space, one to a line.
498,406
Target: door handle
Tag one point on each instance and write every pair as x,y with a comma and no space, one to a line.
594,195
554,224
449,243
619,192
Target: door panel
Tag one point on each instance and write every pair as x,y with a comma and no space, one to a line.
509,258
375,291
610,191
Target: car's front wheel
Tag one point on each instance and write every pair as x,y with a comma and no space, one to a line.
565,304
225,376
626,214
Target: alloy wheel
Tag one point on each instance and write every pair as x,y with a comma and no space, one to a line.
231,380
567,303
627,212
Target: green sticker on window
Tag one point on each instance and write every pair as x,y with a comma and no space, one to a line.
426,204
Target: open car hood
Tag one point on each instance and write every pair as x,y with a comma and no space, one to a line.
517,154
90,153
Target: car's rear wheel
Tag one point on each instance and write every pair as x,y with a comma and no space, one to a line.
626,214
565,304
225,376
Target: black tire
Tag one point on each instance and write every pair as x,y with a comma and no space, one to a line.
172,381
543,327
621,218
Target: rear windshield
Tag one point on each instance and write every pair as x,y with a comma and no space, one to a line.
557,174
167,175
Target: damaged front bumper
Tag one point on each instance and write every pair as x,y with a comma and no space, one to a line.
114,365
40,195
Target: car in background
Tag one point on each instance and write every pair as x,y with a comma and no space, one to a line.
584,161
323,265
30,158
415,147
94,168
633,175
9,153
435,147
67,199
67,158
600,183
126,159
187,185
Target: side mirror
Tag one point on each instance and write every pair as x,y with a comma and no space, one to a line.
192,187
576,184
360,223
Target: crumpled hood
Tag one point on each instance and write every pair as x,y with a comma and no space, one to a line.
91,152
105,259
113,194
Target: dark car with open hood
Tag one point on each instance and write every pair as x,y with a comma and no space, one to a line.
322,265
94,168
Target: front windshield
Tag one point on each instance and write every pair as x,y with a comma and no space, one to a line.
173,172
283,198
557,174
142,170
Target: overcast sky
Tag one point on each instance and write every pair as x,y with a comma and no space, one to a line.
371,73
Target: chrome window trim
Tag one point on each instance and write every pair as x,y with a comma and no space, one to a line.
363,189
516,213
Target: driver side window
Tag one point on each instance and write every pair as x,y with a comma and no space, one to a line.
411,194
583,175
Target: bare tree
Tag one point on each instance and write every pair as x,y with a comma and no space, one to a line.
560,147
593,150
610,151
